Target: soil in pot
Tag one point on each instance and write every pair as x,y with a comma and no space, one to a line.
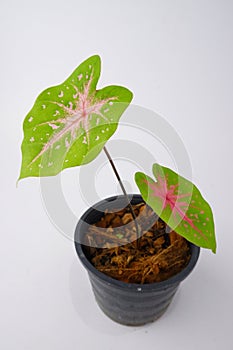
156,256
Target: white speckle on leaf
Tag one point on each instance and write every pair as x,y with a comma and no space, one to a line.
84,140
56,113
67,160
40,166
58,146
43,106
67,88
97,138
34,129
32,139
87,76
61,94
30,119
53,126
50,164
47,134
103,131
41,138
80,77
97,121
107,129
89,66
75,95
110,103
48,93
111,119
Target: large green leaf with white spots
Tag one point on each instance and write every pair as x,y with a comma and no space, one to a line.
70,123
180,204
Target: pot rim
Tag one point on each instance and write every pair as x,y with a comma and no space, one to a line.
176,279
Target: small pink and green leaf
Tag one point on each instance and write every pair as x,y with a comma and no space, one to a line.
70,123
180,204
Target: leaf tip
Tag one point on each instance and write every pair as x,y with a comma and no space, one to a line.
95,57
214,248
21,177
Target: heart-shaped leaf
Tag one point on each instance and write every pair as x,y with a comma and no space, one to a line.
70,123
180,204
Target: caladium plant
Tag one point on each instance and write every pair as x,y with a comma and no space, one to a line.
69,125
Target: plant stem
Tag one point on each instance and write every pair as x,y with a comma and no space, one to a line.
123,190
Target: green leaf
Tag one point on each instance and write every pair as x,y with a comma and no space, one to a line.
70,123
180,204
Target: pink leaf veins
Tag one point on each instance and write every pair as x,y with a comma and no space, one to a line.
174,201
75,117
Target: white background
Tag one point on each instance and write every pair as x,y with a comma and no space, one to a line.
176,56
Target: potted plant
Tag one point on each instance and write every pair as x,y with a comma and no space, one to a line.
136,248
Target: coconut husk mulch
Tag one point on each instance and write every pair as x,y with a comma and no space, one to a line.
112,247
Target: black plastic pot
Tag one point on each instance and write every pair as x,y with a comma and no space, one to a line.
127,303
